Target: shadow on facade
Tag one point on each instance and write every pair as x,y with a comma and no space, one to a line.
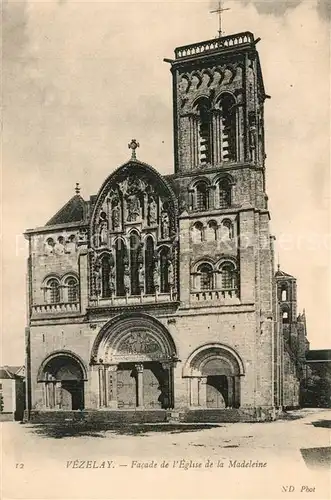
321,423
63,430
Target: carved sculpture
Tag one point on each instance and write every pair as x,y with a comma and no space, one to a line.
141,276
127,278
165,232
152,211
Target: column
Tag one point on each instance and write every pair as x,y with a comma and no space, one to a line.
202,392
236,397
58,389
101,386
140,384
230,391
112,394
194,392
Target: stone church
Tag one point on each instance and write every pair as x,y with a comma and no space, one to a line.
157,299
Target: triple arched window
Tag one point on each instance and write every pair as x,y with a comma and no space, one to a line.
62,290
223,231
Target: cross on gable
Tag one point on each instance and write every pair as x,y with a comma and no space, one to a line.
133,145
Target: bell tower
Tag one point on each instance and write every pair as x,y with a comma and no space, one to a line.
218,95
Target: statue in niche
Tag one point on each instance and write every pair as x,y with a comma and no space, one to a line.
49,246
165,232
156,274
133,206
127,279
97,276
170,273
112,278
252,136
70,246
59,246
103,228
152,211
115,214
141,277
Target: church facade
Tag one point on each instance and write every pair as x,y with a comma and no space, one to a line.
156,299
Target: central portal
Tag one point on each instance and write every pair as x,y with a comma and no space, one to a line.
136,357
154,393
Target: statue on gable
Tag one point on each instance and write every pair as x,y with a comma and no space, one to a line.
156,275
115,214
103,228
152,211
165,230
133,207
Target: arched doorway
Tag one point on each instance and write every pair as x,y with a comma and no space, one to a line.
135,356
214,371
63,375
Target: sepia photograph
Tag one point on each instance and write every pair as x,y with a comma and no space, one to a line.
165,278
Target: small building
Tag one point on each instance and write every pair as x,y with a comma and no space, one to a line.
12,392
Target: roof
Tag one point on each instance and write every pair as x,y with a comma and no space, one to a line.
281,274
73,211
9,372
318,355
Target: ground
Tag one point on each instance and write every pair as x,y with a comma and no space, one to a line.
289,458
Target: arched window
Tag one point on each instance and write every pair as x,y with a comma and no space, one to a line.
224,193
164,269
229,276
285,316
206,276
202,201
135,261
121,256
228,127
202,107
283,293
197,232
149,265
72,289
227,230
211,233
53,286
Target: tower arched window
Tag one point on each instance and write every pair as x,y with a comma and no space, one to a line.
164,269
72,289
228,127
149,265
206,276
224,193
202,108
228,276
53,287
121,261
285,316
202,196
